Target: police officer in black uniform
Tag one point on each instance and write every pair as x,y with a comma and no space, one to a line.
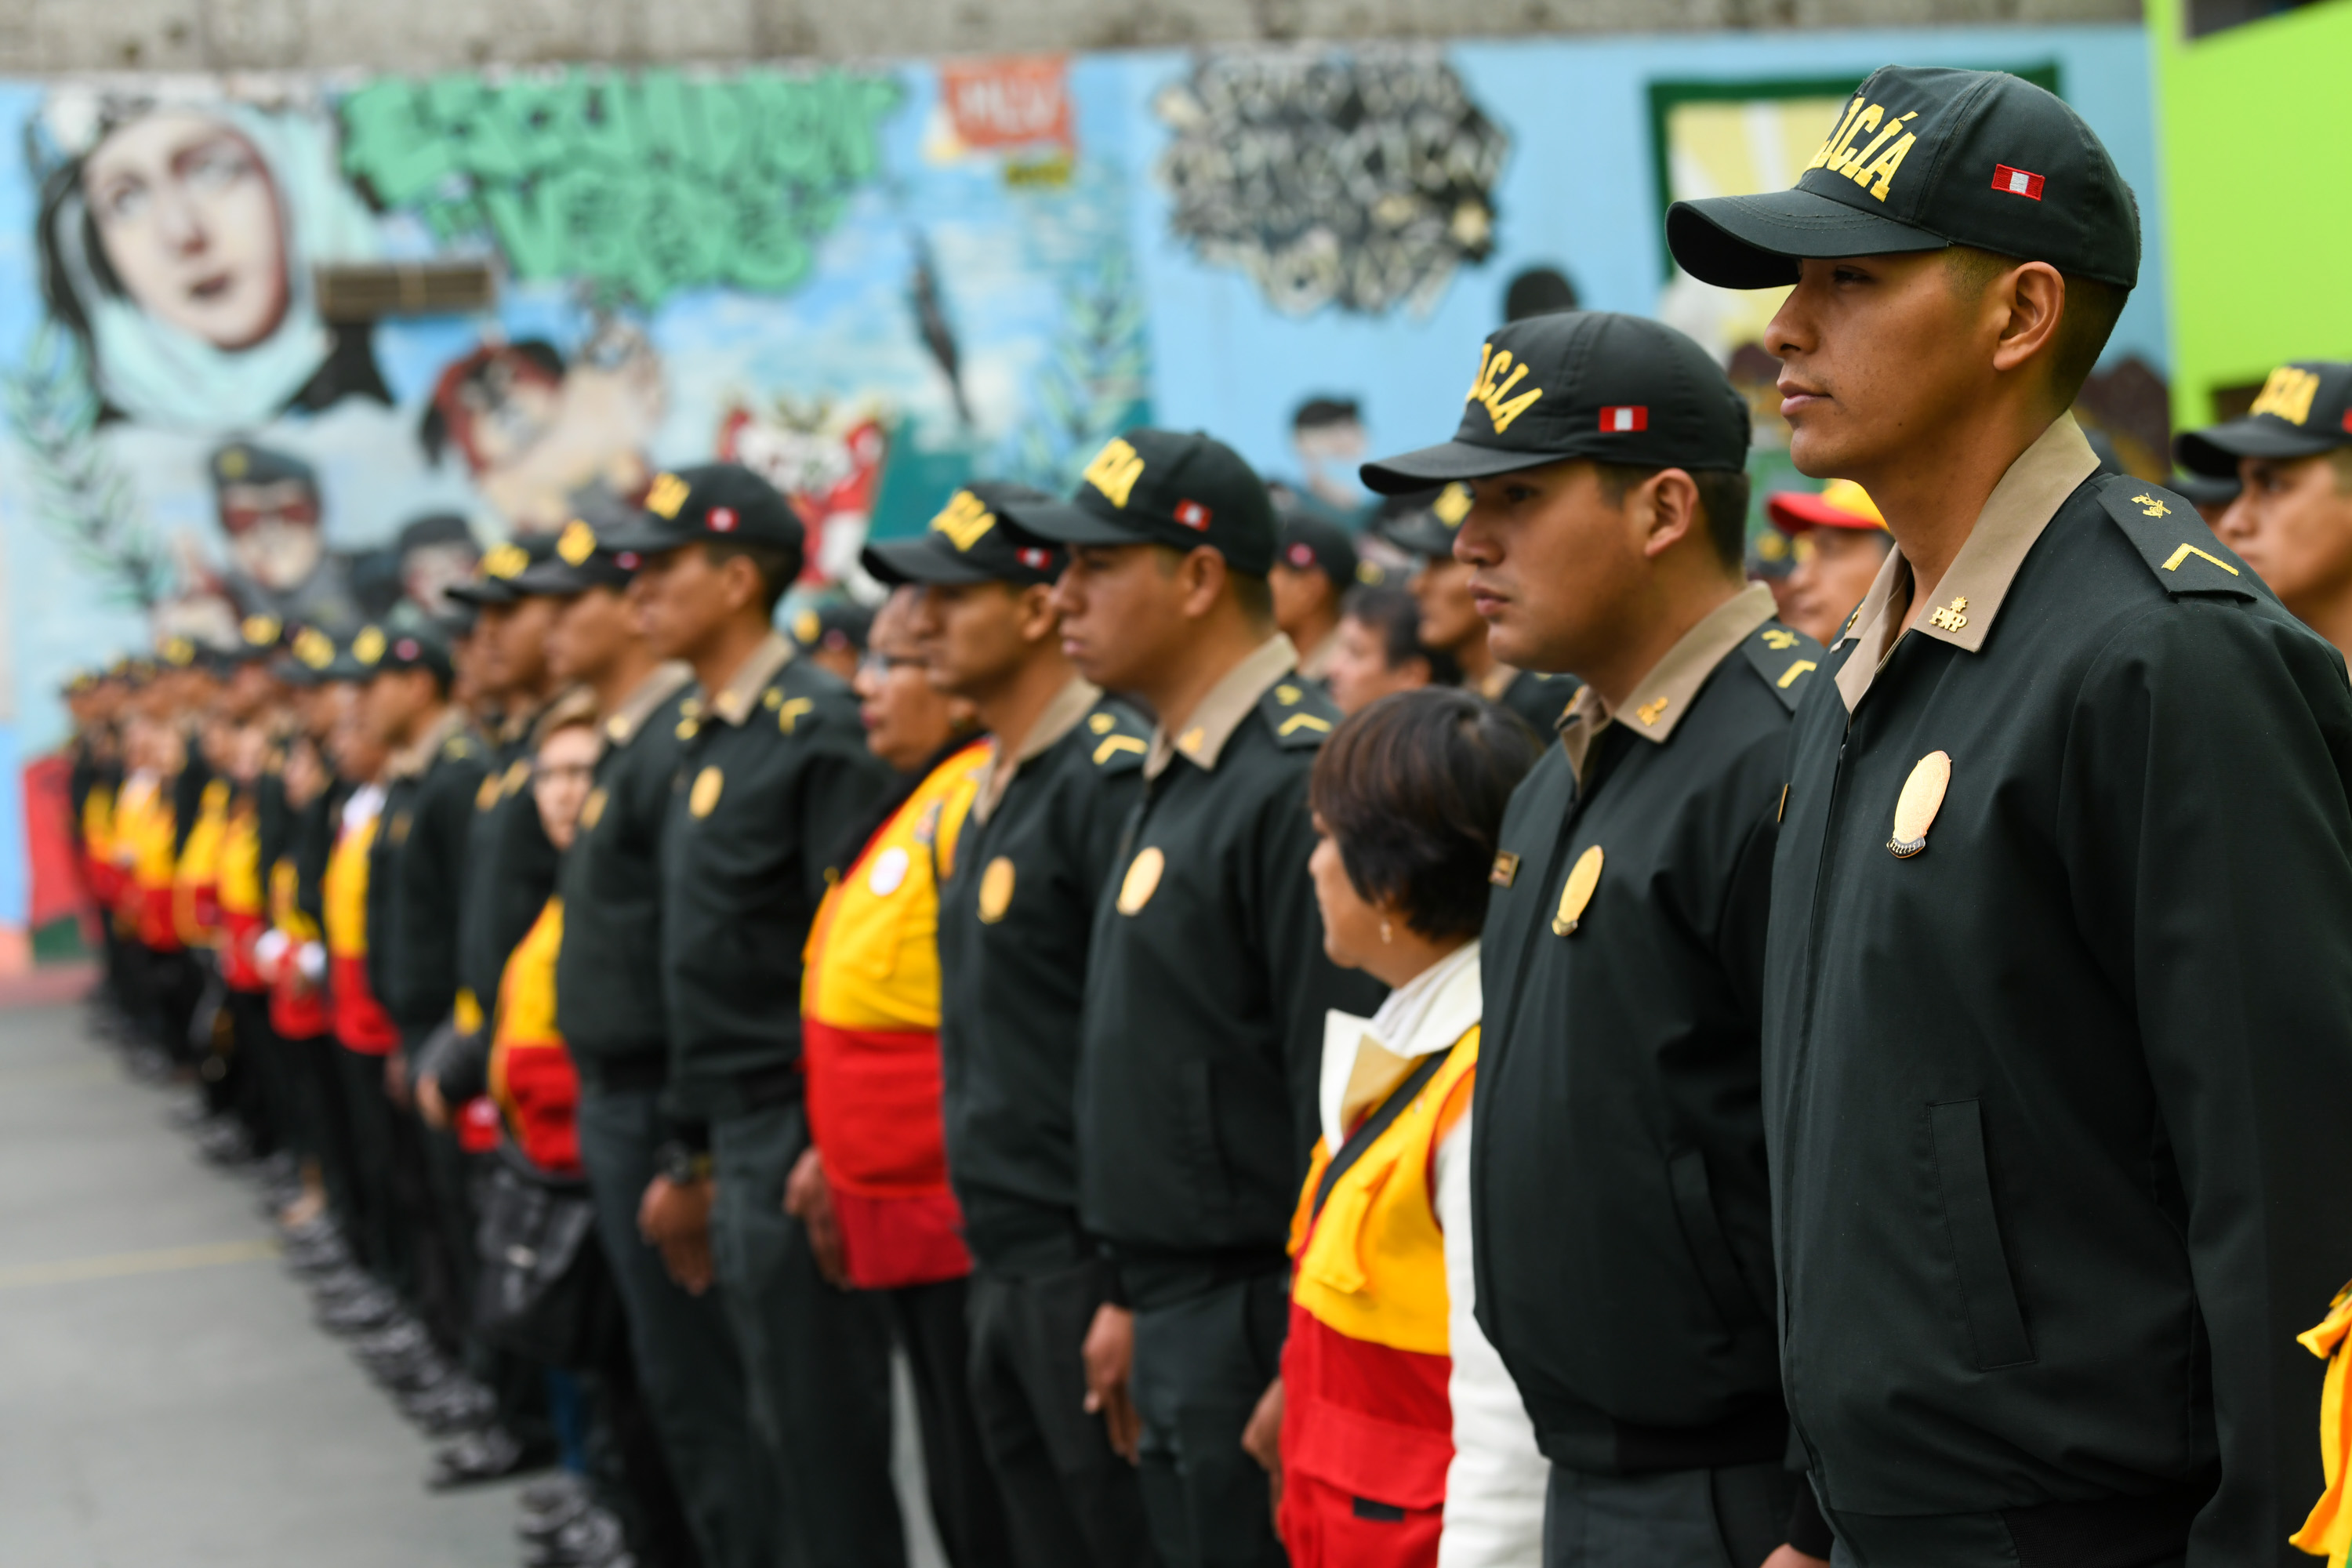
608,1008
1623,1245
1207,982
1013,920
774,777
2057,1027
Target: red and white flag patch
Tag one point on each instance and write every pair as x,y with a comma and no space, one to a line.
1624,417
1301,555
1034,558
722,520
1192,515
2016,182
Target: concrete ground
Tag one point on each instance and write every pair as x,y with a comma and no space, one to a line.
164,1399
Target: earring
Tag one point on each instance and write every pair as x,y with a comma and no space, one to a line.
1386,934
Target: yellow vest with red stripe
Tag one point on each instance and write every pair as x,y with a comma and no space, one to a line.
195,880
1372,1266
531,1077
241,891
342,890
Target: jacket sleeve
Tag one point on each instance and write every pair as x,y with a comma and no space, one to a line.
2205,823
837,788
436,884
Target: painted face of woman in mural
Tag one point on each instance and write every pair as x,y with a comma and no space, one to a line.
189,218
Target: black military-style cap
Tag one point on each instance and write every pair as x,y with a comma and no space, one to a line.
1585,384
382,650
2304,409
715,502
501,565
578,562
258,638
1423,522
2205,489
1164,487
837,623
1920,159
971,541
244,463
1310,542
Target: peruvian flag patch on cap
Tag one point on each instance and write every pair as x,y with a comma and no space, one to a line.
1034,558
2016,182
722,520
1628,417
1192,515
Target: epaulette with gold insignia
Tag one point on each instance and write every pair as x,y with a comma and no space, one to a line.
1115,742
2174,541
1784,657
456,748
1302,717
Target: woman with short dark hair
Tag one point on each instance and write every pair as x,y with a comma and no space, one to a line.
1407,795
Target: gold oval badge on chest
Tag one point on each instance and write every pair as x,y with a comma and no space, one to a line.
706,785
1583,877
995,890
1916,807
1142,880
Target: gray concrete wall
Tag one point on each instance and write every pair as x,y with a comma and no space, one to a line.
38,35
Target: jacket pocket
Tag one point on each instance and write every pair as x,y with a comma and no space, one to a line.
1710,1250
1986,1288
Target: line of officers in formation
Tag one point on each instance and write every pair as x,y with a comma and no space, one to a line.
1910,1074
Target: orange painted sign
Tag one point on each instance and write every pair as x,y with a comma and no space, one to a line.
1008,101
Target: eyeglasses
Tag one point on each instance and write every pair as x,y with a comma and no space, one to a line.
568,772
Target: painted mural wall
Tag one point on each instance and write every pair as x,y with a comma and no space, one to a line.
868,282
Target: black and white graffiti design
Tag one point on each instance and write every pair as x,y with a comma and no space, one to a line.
1360,180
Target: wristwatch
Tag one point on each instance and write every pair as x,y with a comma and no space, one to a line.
682,1166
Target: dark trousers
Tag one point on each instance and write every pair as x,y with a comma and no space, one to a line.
1730,1517
686,1364
379,1233
319,1068
1070,1501
1200,1367
817,1360
929,1322
265,1082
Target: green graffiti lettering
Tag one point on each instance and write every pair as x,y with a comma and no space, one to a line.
639,184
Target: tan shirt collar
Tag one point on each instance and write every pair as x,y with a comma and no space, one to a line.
413,761
1657,703
1220,712
1979,580
1073,702
621,726
736,700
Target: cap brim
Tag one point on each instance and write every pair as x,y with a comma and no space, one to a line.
1446,463
1796,512
554,579
1066,524
899,561
1756,242
644,535
2206,489
2215,452
482,596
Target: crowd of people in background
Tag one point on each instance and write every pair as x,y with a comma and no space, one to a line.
1535,1031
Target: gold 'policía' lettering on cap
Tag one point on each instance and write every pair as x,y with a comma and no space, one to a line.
576,543
965,519
1951,617
592,810
807,629
666,495
179,650
1114,471
1497,373
704,799
1576,894
995,890
368,647
1505,869
1142,880
1451,505
1867,168
314,648
1916,807
260,631
505,560
2287,395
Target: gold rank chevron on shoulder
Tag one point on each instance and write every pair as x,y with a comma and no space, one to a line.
1299,714
1784,657
2180,550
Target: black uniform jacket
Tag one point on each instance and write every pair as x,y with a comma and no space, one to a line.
1622,1226
1015,915
2056,1087
416,871
608,984
772,776
509,866
1206,990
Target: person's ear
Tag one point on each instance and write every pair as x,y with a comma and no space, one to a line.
739,581
2029,302
1664,510
1035,618
1200,582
